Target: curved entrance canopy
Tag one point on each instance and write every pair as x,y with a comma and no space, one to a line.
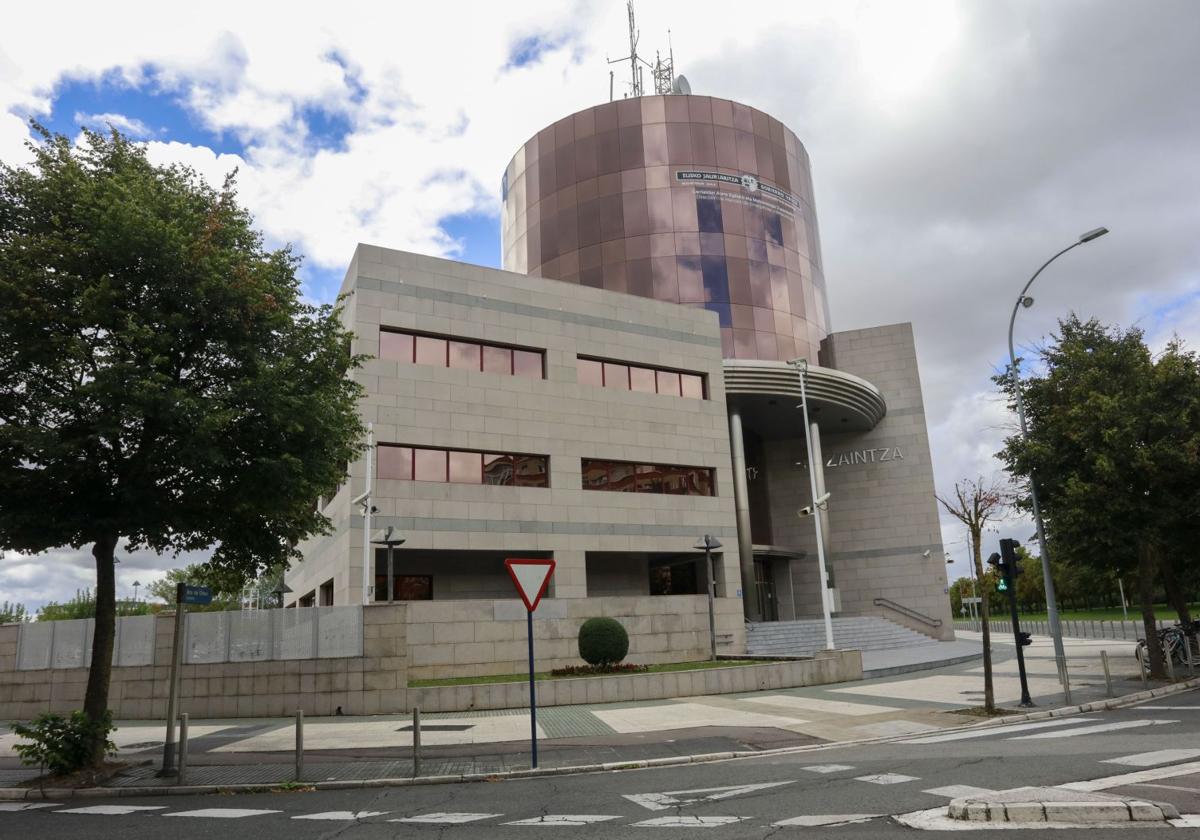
767,393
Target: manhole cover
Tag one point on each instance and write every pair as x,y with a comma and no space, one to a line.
439,727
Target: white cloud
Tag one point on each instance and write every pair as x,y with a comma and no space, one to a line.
101,122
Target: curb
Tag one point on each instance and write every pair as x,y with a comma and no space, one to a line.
896,670
17,794
1073,813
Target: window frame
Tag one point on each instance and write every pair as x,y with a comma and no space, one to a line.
661,471
483,346
629,368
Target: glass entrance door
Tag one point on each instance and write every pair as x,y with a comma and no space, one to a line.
764,585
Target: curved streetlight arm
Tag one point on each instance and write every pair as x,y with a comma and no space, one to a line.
1021,297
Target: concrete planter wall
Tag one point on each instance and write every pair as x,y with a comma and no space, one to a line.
826,667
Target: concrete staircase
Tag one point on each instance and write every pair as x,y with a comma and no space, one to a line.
805,637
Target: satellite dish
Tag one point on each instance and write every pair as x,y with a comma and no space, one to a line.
681,86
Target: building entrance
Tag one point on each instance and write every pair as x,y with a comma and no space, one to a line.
764,588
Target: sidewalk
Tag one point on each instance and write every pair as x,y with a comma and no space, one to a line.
227,752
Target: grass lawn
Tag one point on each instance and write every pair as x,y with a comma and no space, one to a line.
545,675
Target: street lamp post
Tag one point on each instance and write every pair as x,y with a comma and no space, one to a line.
386,539
1051,601
801,366
136,584
708,543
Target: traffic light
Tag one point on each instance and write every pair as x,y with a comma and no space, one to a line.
997,563
1008,554
1023,638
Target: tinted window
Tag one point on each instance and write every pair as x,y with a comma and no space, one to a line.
429,464
668,383
464,355
641,379
398,346
466,467
691,386
616,376
431,351
497,360
497,469
395,462
590,372
526,363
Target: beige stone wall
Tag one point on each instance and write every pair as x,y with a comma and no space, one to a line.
882,515
475,638
369,684
557,416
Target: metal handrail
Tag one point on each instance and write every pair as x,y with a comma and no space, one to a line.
908,611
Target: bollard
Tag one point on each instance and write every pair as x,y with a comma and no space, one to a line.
1143,667
1170,664
299,744
183,747
1107,673
416,741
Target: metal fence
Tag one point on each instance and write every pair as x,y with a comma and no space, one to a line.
1131,630
234,636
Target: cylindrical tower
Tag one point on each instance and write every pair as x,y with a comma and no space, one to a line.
688,199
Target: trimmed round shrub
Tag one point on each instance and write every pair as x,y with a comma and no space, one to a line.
603,641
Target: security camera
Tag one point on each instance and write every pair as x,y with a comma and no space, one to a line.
804,511
822,499
1027,301
360,498
925,554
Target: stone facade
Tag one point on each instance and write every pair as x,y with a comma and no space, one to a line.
882,512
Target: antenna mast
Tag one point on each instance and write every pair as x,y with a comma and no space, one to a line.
662,73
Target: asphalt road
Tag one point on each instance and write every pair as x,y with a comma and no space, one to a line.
738,799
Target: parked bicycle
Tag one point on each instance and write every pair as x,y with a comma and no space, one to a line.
1175,642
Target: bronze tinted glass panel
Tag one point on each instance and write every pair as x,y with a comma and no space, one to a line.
621,477
394,462
668,383
616,376
692,386
464,355
429,464
642,379
431,351
531,471
527,363
497,360
595,474
497,469
395,346
466,467
411,587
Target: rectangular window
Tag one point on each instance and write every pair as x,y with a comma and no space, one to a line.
648,380
429,465
409,463
395,462
439,351
622,476
327,594
616,376
309,600
431,351
466,468
412,587
394,345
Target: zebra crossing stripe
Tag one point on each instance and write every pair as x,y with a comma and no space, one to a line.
830,820
1094,730
564,819
342,815
887,779
989,731
112,810
1151,775
449,818
223,813
1149,759
827,768
27,806
688,822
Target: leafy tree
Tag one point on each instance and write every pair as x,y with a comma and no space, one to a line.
975,504
161,379
1115,448
226,588
83,605
13,613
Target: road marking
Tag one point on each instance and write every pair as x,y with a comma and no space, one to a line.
817,820
1168,787
827,768
955,791
27,806
1186,821
223,813
676,798
564,819
993,730
887,779
446,818
1149,759
1171,708
342,815
688,822
113,810
1151,775
1093,730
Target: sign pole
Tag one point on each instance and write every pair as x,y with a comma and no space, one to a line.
532,691
168,765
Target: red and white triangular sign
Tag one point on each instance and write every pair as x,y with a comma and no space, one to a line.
531,577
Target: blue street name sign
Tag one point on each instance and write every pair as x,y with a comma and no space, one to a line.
193,594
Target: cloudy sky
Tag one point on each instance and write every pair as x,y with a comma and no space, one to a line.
955,146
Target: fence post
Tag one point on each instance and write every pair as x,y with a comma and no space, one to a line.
1107,673
299,744
416,716
183,747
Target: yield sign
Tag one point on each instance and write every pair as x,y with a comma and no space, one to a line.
531,578
676,798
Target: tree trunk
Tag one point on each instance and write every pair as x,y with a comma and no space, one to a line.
1146,568
95,701
989,697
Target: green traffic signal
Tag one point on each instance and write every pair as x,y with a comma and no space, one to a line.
1002,585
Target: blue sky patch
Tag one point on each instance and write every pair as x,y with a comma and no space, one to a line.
479,234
